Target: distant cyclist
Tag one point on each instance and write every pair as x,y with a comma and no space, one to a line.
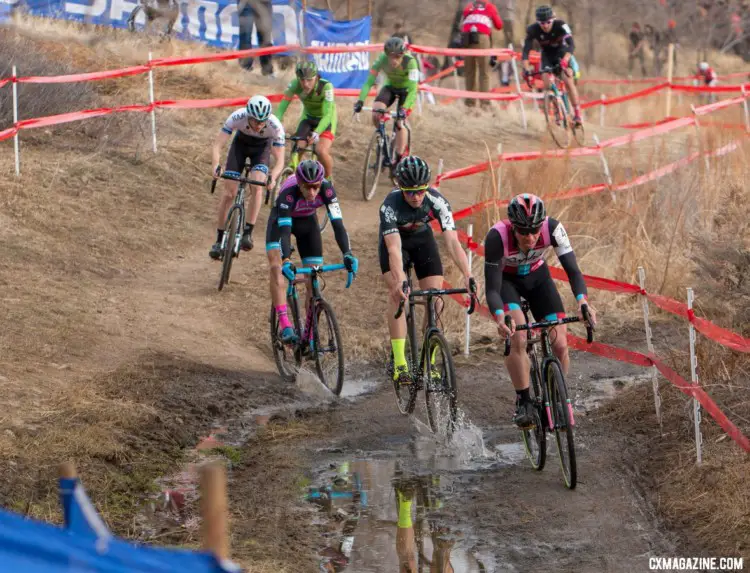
406,235
300,196
401,84
318,123
556,40
259,136
707,75
514,268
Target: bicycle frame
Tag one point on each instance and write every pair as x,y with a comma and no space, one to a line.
381,129
314,272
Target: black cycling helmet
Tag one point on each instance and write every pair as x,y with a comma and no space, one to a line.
544,13
412,172
526,211
310,171
394,46
306,70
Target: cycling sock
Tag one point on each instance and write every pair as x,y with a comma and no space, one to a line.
398,346
283,318
219,235
523,395
404,512
248,229
577,109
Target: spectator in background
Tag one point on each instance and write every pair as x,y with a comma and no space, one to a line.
655,43
637,49
670,37
154,10
260,13
480,18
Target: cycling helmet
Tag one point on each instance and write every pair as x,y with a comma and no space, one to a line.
703,66
394,46
259,108
306,70
544,13
412,172
310,171
526,211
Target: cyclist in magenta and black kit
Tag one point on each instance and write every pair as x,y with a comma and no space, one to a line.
556,40
514,268
300,196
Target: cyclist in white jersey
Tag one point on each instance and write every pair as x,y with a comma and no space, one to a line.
259,135
514,267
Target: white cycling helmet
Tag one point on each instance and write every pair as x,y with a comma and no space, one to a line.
259,108
703,66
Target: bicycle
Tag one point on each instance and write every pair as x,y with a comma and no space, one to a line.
294,160
316,342
382,152
556,106
235,221
553,411
426,373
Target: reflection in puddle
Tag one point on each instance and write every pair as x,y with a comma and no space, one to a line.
603,390
381,518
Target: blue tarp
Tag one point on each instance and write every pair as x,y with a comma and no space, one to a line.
85,544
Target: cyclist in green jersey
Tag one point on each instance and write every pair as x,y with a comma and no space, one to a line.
318,123
402,82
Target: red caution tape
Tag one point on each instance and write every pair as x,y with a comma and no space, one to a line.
711,90
704,109
501,53
70,78
626,97
467,94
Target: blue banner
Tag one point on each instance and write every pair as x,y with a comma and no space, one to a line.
214,22
343,70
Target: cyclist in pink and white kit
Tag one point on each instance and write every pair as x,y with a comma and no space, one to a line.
514,267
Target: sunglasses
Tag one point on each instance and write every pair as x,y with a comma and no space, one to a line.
527,231
312,186
414,190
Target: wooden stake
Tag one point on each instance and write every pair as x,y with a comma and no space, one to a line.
670,71
369,8
214,509
349,9
67,470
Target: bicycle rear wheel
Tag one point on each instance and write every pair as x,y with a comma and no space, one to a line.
555,117
562,415
230,233
440,386
285,174
287,357
322,215
328,348
373,167
535,439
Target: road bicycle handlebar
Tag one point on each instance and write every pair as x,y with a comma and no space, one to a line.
546,324
435,292
320,269
235,176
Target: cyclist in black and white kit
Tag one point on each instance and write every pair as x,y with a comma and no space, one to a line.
259,135
514,267
406,235
556,40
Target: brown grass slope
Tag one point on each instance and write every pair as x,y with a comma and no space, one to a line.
112,319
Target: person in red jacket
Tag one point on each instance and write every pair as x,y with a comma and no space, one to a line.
480,18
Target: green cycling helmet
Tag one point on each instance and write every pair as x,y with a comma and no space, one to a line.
306,70
394,46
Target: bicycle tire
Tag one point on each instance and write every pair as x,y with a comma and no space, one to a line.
406,396
561,410
446,389
287,371
372,169
578,134
535,439
322,215
333,330
553,115
285,174
230,232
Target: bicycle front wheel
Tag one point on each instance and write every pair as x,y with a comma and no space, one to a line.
286,356
562,415
406,395
440,386
322,216
230,233
328,348
555,118
373,167
535,438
